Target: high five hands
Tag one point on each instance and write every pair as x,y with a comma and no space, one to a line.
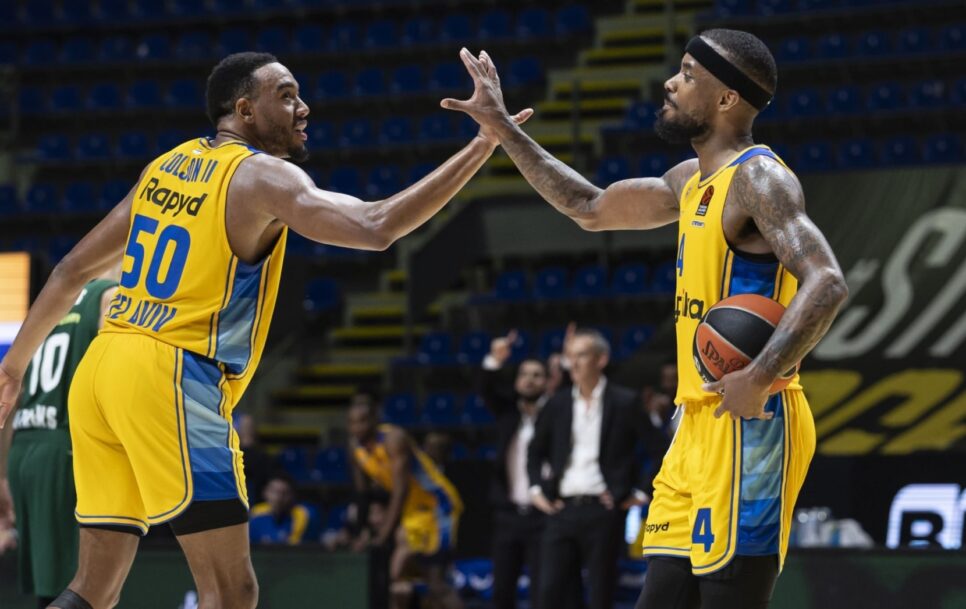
486,104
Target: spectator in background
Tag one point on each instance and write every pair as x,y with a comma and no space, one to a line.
258,465
437,447
281,519
659,402
588,437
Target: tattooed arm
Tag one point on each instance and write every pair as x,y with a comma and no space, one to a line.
639,203
772,198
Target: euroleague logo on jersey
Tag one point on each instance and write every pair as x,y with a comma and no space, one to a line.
705,201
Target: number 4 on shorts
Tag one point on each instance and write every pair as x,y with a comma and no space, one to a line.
702,529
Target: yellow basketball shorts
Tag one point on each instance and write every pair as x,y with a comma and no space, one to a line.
727,487
430,532
151,430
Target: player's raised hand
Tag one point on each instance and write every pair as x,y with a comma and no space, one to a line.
9,392
486,104
742,396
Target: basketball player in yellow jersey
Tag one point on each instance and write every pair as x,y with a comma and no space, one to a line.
717,526
424,507
203,235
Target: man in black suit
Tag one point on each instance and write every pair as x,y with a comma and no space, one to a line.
518,526
588,437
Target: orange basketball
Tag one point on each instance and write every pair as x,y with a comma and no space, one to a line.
733,332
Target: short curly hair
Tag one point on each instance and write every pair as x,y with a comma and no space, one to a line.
231,79
748,53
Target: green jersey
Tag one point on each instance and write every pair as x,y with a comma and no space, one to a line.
43,403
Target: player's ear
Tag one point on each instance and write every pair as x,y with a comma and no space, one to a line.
729,99
245,109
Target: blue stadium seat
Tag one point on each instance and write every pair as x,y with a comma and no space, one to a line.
914,40
533,23
8,15
511,286
436,127
573,19
435,348
633,338
171,138
874,44
322,135
521,348
74,14
345,36
654,165
408,79
111,193
186,8
273,40
104,96
775,7
857,153
346,180
590,282
115,49
551,283
331,465
400,409
381,34
43,199
419,31
486,452
79,198
845,100
133,145
9,52
775,110
473,348
449,75
233,40
147,10
370,81
944,148
900,150
466,127
663,278
184,93
268,5
77,49
494,25
112,11
9,202
551,341
816,156
144,94
439,409
928,94
805,103
321,294
525,71
294,460
40,52
475,411
193,45
953,37
817,5
630,279
356,133
612,169
832,46
384,181
396,130
796,48
93,147
730,8
226,7
39,13
332,84
153,47
32,100
958,92
419,171
53,147
58,247
640,116
308,38
886,96
66,98
456,27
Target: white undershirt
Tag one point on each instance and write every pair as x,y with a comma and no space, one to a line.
582,475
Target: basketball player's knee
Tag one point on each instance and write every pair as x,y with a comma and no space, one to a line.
246,593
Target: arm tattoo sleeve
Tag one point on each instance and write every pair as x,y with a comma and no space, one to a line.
772,197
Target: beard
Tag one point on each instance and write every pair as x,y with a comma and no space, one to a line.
679,130
298,154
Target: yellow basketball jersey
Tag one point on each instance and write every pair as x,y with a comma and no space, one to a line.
708,270
181,283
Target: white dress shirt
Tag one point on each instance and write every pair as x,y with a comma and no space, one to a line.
582,476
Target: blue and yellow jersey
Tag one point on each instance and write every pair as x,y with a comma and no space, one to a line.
181,283
432,507
708,269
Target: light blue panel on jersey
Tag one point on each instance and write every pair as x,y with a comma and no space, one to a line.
762,463
237,320
750,277
444,507
208,431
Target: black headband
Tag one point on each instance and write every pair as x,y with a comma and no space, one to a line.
726,72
